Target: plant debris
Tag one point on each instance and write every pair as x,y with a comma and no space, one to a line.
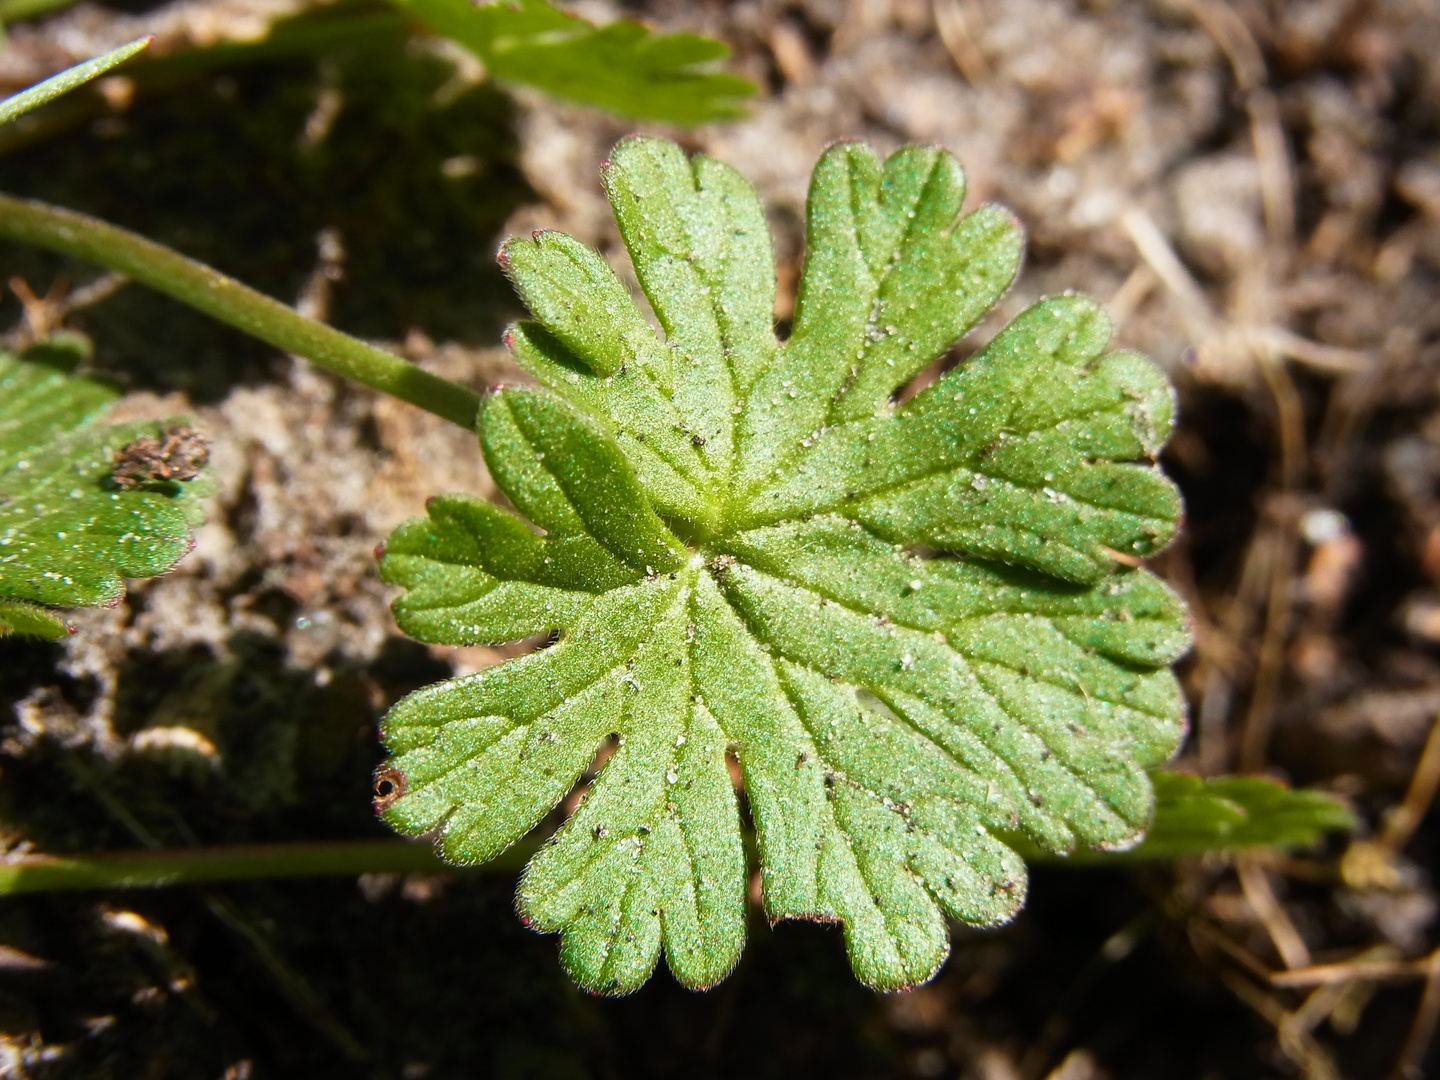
179,453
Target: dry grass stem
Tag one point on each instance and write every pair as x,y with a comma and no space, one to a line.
1295,1042
1277,184
1204,937
1353,971
954,31
1150,242
1255,882
1421,793
1133,292
1409,1065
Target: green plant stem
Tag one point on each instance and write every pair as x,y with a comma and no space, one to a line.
159,867
201,865
227,300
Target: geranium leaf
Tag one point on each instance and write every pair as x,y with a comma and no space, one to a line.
620,67
69,534
906,621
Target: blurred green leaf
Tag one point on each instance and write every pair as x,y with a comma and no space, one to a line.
620,67
1194,815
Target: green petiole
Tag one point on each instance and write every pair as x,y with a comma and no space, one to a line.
231,302
204,865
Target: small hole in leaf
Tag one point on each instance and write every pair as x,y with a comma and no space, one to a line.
390,784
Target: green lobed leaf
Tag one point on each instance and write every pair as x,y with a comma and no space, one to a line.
902,620
69,536
620,67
